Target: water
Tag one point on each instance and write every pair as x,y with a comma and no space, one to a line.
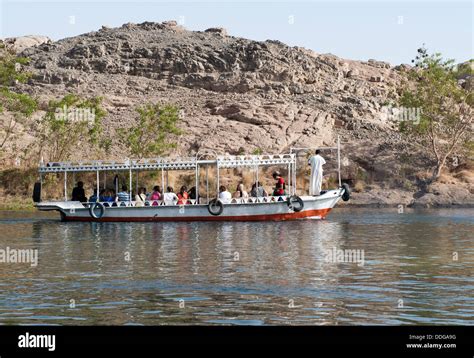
242,273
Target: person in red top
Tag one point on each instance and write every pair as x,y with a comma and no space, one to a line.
156,195
183,196
279,185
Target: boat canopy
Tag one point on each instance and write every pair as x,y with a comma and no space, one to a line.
224,162
206,158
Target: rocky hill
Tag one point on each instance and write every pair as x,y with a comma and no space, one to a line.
236,95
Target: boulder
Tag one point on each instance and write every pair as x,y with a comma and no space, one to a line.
376,79
217,30
19,44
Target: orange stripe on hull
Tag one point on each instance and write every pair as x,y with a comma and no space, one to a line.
269,217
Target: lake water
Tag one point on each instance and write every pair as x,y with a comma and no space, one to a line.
417,268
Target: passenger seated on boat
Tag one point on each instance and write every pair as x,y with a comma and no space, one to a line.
192,194
183,195
155,195
240,192
102,195
170,197
107,197
258,192
93,197
224,195
78,193
123,195
113,195
140,198
110,196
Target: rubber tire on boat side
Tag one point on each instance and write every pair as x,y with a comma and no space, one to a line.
37,192
347,192
213,204
295,198
92,210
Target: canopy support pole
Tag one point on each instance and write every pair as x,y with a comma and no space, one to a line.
116,182
218,184
339,160
65,185
256,183
137,182
207,182
197,183
162,180
289,179
97,193
294,174
130,183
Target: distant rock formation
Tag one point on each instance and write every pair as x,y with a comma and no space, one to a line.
18,44
254,94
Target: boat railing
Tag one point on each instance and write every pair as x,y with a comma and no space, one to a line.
151,203
257,200
115,204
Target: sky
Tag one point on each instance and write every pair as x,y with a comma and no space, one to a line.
390,31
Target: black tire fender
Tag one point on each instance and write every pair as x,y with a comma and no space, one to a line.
37,192
347,192
215,207
295,199
92,210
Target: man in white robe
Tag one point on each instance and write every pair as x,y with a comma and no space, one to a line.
316,162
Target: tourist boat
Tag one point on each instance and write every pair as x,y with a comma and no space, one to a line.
208,208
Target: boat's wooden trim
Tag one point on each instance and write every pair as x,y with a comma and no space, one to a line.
266,217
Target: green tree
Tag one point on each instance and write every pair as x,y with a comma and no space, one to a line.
444,124
152,134
15,108
70,123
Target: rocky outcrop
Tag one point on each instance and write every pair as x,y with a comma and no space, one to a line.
19,44
286,95
442,195
381,198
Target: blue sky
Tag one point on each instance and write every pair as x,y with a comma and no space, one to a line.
383,30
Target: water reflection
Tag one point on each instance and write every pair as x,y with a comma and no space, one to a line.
242,273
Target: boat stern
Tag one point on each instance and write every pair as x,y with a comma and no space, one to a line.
58,205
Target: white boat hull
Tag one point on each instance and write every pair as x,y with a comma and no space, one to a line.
244,210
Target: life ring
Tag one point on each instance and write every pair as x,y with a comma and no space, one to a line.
347,192
215,207
292,200
92,210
